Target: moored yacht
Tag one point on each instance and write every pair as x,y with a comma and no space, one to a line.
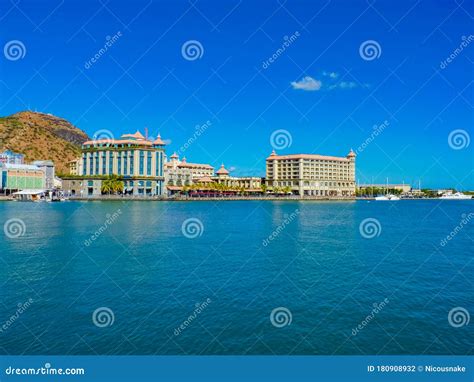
388,197
455,196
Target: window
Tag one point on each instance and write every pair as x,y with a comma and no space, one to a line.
111,162
148,163
104,162
141,163
96,159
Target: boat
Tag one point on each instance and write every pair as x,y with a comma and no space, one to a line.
455,196
388,197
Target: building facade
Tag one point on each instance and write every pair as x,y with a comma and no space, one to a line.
179,173
75,166
10,157
404,188
17,177
47,167
312,175
137,161
246,183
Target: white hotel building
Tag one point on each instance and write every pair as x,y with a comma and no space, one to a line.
312,175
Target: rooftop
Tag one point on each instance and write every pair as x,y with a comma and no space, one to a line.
275,156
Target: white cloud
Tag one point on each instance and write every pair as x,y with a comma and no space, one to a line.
307,83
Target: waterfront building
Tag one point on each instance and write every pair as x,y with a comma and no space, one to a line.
136,160
47,166
10,157
17,177
403,188
75,166
179,173
247,183
311,175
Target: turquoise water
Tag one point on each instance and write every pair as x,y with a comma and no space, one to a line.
318,269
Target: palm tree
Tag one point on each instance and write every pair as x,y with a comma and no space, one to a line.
112,184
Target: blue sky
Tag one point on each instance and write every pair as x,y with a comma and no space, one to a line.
322,89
